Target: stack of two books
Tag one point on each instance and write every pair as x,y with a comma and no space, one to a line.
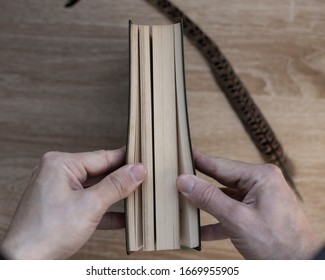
157,216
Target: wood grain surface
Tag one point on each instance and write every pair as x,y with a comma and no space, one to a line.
64,86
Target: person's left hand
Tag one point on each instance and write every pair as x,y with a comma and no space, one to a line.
66,200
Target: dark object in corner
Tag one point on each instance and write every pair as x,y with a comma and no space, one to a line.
320,255
71,3
2,257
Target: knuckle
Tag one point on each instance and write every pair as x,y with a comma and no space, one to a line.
273,173
213,171
108,159
120,184
54,161
271,176
205,196
272,169
51,157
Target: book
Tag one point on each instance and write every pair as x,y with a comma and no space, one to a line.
158,217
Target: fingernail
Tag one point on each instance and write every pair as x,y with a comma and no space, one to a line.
138,172
185,184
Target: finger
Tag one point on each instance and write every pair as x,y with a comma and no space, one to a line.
209,198
34,172
112,220
84,165
98,162
228,172
119,184
213,232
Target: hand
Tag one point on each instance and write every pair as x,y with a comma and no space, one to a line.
258,211
58,214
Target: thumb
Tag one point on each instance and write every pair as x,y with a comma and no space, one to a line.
120,183
209,198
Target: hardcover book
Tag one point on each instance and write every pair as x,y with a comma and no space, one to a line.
158,217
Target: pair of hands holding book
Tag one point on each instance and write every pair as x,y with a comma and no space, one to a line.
68,195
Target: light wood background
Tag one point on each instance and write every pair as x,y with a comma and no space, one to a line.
64,86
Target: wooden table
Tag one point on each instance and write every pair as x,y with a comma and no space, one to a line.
64,86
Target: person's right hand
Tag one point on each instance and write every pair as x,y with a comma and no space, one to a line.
258,211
